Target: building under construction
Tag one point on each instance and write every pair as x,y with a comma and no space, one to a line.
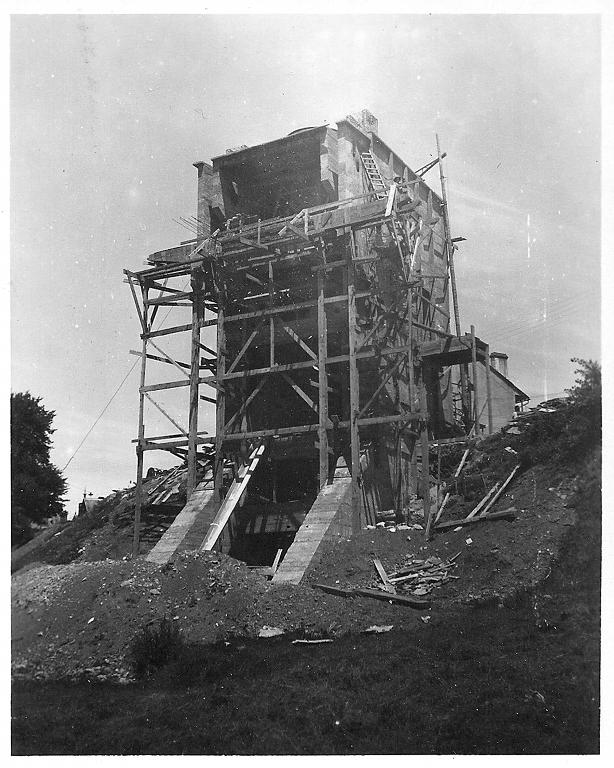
322,322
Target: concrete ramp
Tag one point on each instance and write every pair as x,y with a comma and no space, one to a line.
189,527
330,517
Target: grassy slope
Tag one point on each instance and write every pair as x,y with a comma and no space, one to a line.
467,682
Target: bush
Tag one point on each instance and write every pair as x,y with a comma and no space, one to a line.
567,434
154,646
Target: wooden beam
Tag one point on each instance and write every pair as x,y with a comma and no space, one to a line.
500,491
220,409
474,376
197,279
138,492
426,487
322,381
295,337
231,500
300,392
488,390
382,384
245,347
354,386
167,357
505,514
164,413
245,405
159,359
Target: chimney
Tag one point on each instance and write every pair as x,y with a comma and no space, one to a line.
209,196
366,120
498,361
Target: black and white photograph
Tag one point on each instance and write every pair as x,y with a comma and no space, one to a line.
305,366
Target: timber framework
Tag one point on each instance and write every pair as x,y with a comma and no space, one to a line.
321,322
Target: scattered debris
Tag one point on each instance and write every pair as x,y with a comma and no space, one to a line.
468,541
504,514
312,642
375,629
270,631
388,586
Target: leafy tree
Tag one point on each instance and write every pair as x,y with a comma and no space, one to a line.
37,485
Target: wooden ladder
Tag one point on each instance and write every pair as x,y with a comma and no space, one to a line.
375,177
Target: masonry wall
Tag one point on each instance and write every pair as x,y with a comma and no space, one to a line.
503,399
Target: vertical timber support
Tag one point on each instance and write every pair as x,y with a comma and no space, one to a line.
220,408
354,386
488,390
450,253
197,317
426,469
138,493
474,376
322,377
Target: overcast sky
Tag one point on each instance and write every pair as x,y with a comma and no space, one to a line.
108,113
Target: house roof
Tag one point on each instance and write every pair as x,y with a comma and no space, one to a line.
519,393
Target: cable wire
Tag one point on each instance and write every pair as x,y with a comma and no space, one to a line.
123,381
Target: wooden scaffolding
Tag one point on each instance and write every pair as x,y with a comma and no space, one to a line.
326,323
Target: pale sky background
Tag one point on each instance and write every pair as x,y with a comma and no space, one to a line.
108,113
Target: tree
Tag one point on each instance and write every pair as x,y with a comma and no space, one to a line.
37,485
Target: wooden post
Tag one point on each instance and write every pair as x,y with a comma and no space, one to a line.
322,378
220,406
424,442
450,252
197,316
354,386
488,391
474,376
271,320
138,493
438,471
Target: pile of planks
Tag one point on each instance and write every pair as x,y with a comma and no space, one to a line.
420,577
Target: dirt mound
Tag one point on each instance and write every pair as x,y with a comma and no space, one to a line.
79,618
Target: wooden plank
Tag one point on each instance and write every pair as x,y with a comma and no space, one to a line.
381,385
388,586
167,331
164,413
245,405
158,359
412,602
483,501
275,565
220,408
322,383
167,356
505,514
354,388
295,366
314,427
337,591
244,348
138,492
295,337
300,392
500,491
197,279
456,474
231,500
488,390
474,376
426,487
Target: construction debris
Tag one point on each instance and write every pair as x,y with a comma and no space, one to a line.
504,514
